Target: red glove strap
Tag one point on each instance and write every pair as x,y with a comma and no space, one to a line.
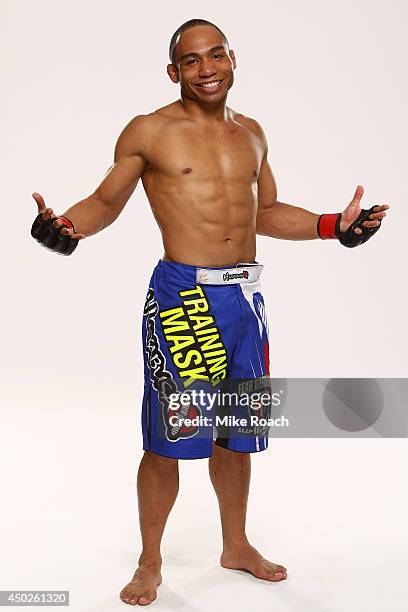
66,222
326,226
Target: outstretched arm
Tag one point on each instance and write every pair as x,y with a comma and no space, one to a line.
277,219
290,222
104,205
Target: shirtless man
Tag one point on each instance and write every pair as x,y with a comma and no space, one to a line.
204,169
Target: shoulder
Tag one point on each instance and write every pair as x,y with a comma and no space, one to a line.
252,125
138,136
135,136
132,139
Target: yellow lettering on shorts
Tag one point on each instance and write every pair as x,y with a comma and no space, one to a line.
212,330
180,342
207,344
197,289
213,353
191,355
193,375
219,378
200,305
219,364
199,322
170,317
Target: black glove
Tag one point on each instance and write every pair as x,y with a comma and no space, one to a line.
328,226
349,238
51,238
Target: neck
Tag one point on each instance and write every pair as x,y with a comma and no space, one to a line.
205,112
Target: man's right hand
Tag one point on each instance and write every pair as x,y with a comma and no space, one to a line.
54,232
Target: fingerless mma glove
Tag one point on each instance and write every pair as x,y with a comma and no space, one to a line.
51,238
328,226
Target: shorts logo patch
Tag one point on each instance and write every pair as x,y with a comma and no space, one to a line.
162,380
202,277
227,276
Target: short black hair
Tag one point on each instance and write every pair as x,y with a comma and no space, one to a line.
186,26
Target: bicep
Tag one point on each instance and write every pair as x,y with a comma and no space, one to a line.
267,190
121,179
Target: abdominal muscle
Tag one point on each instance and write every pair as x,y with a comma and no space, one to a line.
208,247
203,224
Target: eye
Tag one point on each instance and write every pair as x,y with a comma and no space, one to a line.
218,55
191,61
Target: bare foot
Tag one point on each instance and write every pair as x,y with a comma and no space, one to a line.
142,589
245,557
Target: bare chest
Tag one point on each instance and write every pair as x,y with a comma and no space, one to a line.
232,153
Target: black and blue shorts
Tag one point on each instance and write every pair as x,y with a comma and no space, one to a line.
205,331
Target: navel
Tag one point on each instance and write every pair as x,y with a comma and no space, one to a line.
187,170
255,172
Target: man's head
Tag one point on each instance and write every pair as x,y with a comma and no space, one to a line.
200,55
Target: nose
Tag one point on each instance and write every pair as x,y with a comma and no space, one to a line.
207,68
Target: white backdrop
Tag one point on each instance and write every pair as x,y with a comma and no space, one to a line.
327,82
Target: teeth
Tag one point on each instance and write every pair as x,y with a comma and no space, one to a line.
208,85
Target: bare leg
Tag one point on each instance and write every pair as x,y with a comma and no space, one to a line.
157,488
230,474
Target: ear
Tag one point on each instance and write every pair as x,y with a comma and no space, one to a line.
173,73
232,56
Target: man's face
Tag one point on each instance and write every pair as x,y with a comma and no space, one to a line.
202,57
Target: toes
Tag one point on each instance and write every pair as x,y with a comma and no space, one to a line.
129,598
275,576
268,573
147,598
277,573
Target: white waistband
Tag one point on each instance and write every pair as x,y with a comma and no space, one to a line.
241,273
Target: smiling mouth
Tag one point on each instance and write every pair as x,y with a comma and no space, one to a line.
210,84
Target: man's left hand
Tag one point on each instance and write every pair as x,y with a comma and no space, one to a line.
352,211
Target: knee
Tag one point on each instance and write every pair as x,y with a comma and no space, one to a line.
229,454
160,462
238,460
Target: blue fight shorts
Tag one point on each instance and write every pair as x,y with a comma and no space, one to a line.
202,328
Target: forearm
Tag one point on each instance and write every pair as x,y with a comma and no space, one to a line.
287,222
90,215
